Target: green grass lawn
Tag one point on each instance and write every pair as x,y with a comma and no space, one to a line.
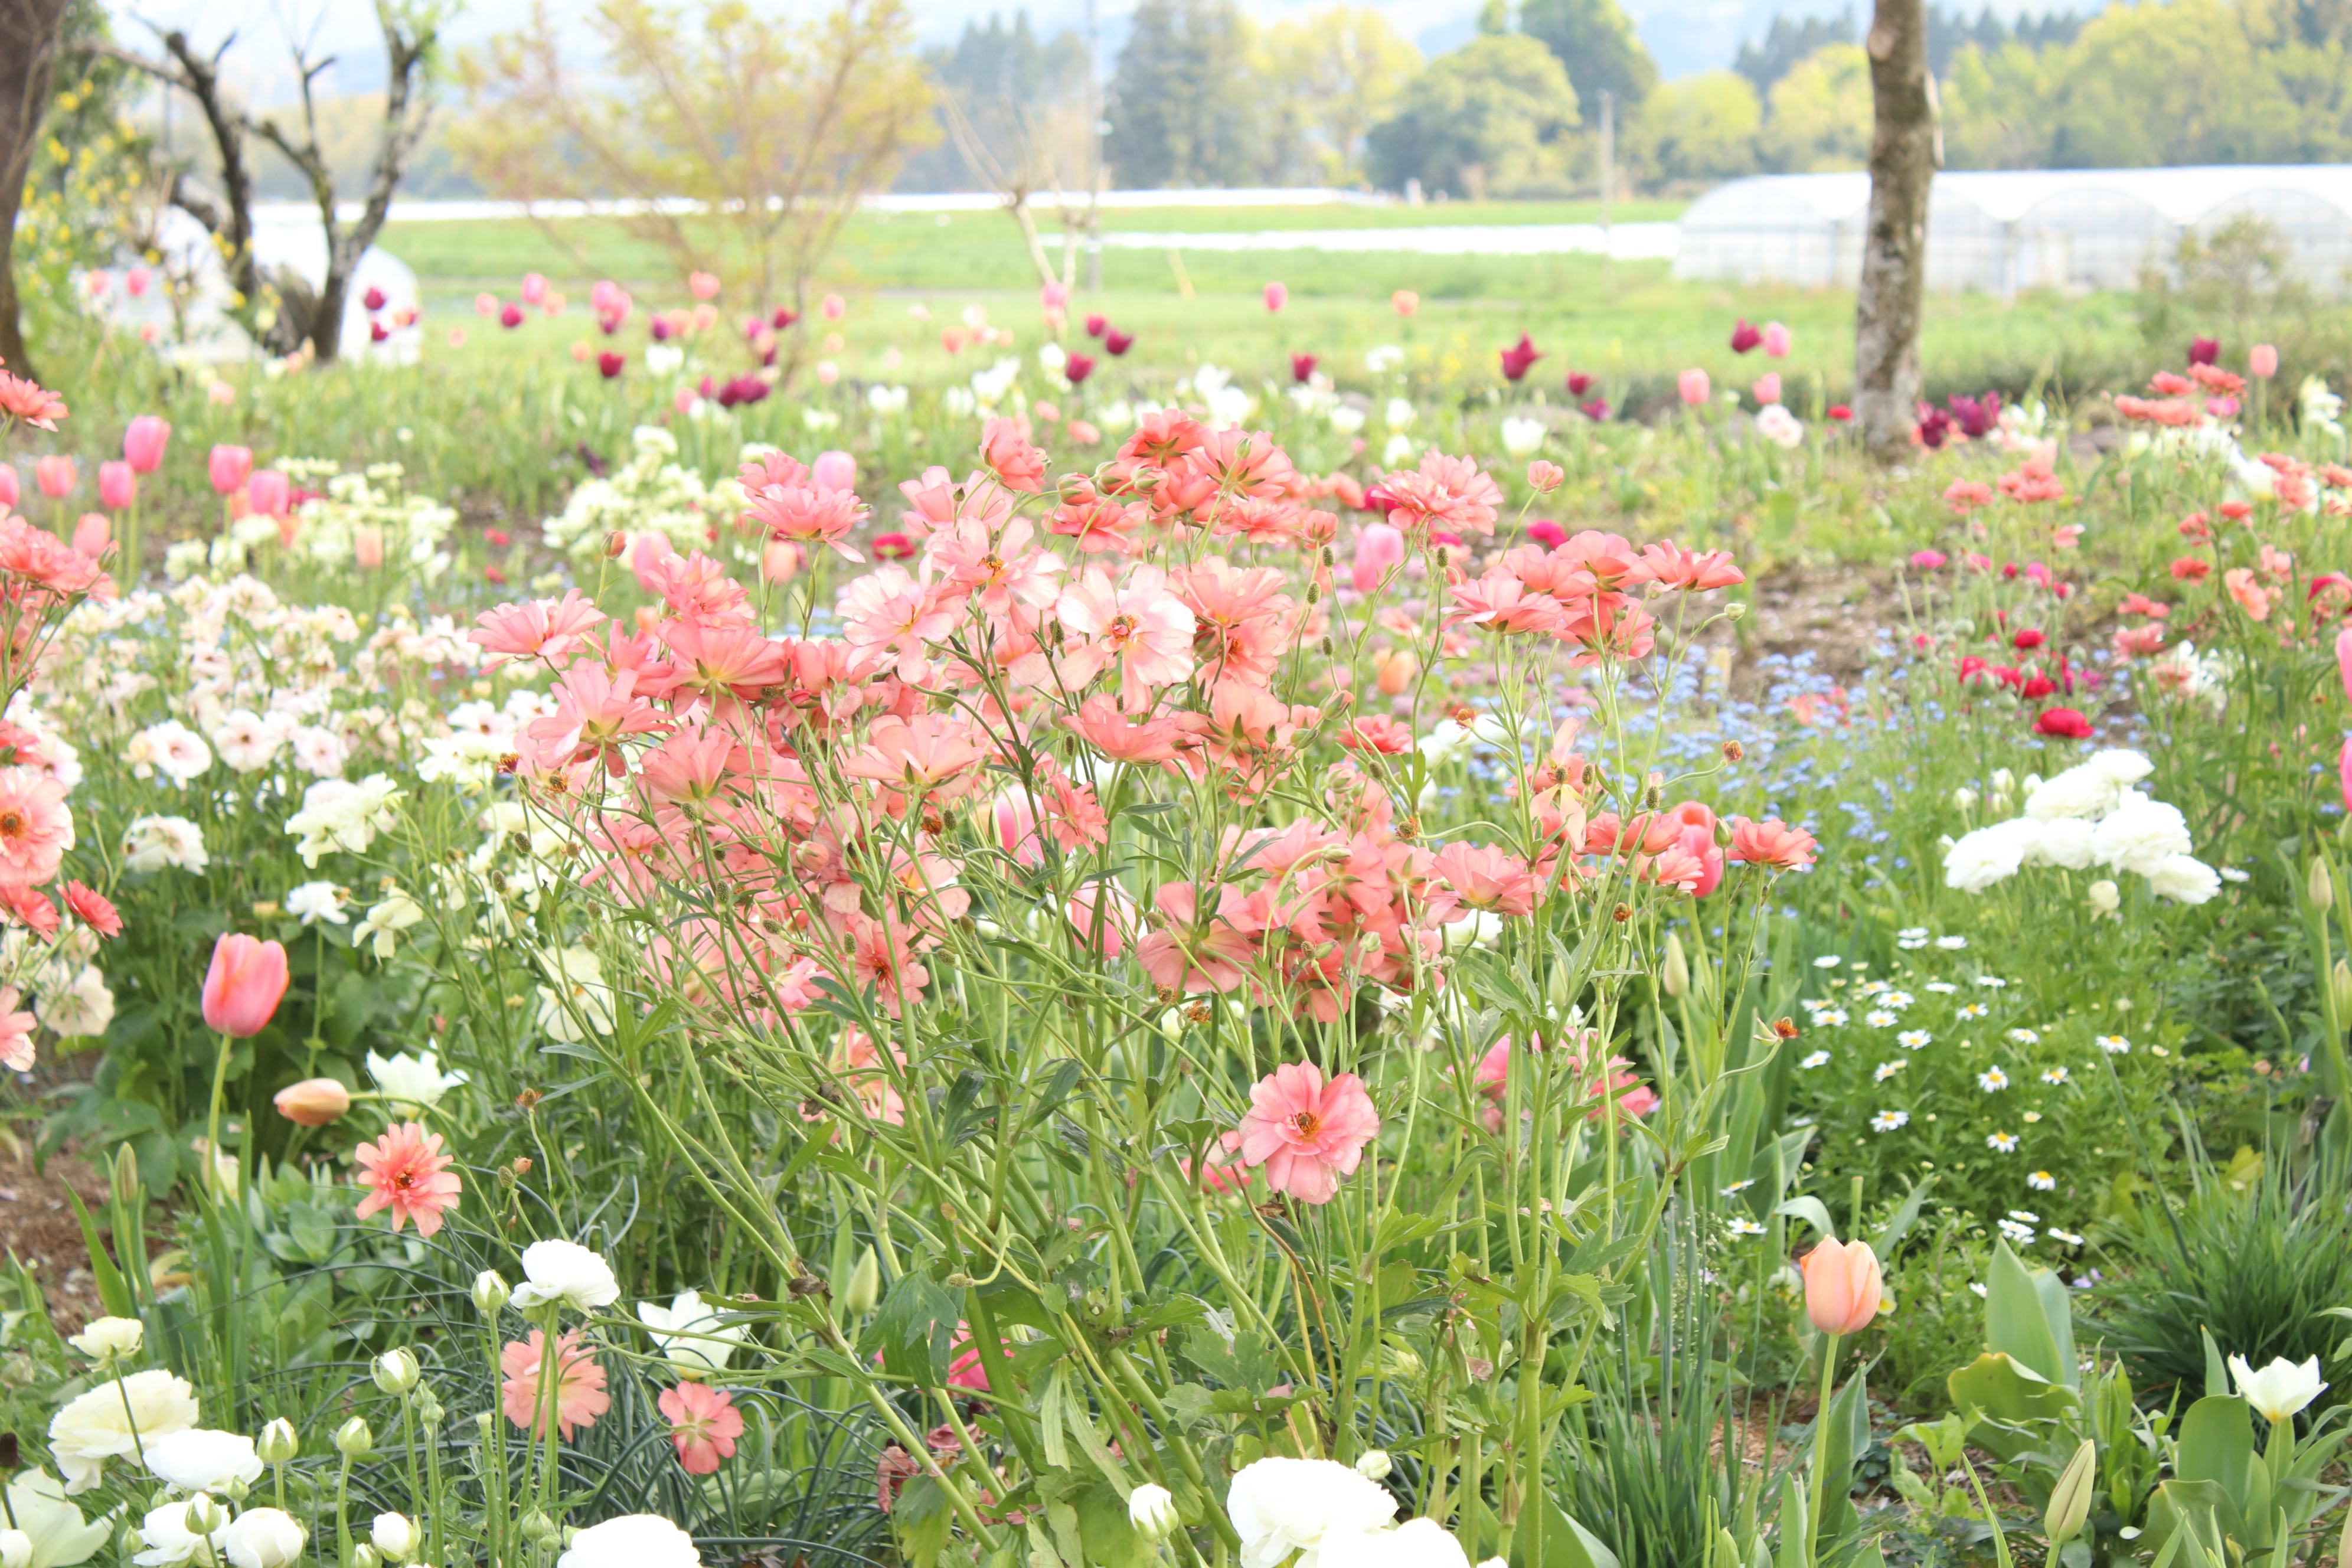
1629,322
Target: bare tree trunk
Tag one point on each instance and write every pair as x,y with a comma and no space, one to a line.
28,58
1903,154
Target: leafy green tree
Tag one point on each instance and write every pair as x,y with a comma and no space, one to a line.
1788,40
1821,114
1596,41
1183,102
1697,128
1327,79
1495,116
1008,82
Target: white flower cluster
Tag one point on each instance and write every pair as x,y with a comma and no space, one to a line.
650,493
2088,815
1331,1515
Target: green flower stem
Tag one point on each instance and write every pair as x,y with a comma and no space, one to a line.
1822,1450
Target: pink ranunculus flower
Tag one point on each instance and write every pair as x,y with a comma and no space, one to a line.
703,1425
36,827
1693,386
1771,842
1307,1133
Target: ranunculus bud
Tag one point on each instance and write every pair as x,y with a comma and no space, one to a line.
865,1286
1674,970
395,1536
395,1371
1151,1509
202,1515
314,1102
1374,1464
354,1440
277,1442
490,1292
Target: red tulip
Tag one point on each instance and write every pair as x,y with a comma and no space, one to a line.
243,986
372,298
1116,341
1302,366
1077,367
1744,337
1579,384
2204,351
1096,326
609,363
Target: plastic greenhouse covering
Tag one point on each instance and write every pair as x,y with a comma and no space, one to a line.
2005,230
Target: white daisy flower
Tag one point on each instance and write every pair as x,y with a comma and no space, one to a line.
1974,1010
2023,1234
2025,1037
1819,1058
1745,1227
1829,1017
1992,1080
2001,1143
2026,1216
2114,1045
2043,1182
1943,987
1880,1018
1887,1070
1952,943
1890,1120
1992,982
1912,1040
2057,1075
2068,1236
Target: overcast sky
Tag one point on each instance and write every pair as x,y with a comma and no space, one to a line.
1685,35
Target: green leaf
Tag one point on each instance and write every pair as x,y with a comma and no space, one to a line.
1568,1544
1105,1532
113,1290
913,1329
2217,1370
1813,1212
2027,1317
1849,1438
2217,1444
2010,1392
1900,1224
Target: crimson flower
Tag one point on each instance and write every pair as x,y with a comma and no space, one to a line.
1745,337
1516,359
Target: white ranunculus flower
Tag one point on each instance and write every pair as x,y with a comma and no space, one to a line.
1523,437
97,1426
110,1339
202,1459
263,1538
2280,1389
2104,896
152,843
411,1084
1281,1506
169,1540
687,1331
2123,768
1417,1543
2079,792
2184,878
1151,1510
2063,841
632,1540
315,901
394,1536
2140,834
1988,855
81,1008
568,1272
16,1549
60,1539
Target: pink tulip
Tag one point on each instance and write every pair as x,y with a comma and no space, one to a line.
367,548
1276,296
1842,1287
835,471
833,308
1768,387
604,296
229,468
534,288
486,304
137,280
1693,386
2263,361
92,536
702,284
2343,660
1776,341
11,490
143,443
553,303
268,493
1379,546
1404,301
243,986
116,487
2344,772
1053,297
510,316
56,476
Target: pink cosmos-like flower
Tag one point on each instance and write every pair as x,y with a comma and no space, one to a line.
36,827
2251,595
886,611
579,1385
93,910
1307,1133
1489,876
703,1425
17,1030
1445,492
1137,625
1672,567
1192,950
544,630
407,1174
1006,451
32,404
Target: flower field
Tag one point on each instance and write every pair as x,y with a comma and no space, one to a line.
1061,962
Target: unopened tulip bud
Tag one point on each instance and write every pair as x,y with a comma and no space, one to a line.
277,1442
1674,971
1374,1464
314,1102
1151,1510
865,1286
353,1438
2319,892
490,1293
395,1371
2339,983
2069,1500
1842,1287
127,1189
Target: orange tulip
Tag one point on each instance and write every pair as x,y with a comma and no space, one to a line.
1842,1287
314,1102
243,988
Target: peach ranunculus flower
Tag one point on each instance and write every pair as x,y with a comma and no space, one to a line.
16,1033
1771,842
580,1395
703,1425
1842,1287
1307,1133
36,827
1138,625
407,1174
2251,595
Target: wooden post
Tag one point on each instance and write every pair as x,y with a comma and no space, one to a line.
1902,158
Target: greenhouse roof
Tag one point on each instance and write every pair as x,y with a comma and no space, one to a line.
2004,196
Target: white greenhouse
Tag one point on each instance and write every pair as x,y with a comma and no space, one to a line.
2000,231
